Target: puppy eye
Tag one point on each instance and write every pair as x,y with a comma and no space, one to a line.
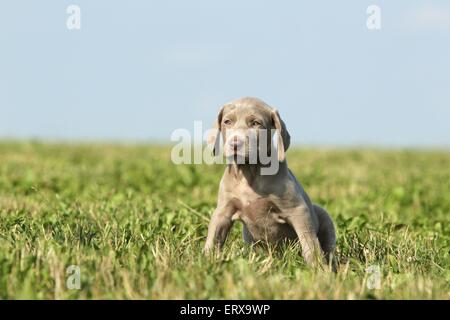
255,123
227,121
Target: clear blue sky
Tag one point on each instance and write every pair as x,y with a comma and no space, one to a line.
137,70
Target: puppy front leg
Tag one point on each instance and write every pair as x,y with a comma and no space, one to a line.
300,219
218,228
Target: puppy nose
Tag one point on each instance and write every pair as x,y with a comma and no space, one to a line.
236,142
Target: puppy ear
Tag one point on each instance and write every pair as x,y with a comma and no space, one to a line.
284,139
214,137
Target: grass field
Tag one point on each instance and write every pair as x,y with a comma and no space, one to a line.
135,225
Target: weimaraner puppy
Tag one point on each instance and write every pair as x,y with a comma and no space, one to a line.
272,207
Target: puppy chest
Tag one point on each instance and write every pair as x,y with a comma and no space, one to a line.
255,209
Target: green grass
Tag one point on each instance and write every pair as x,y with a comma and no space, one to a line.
135,224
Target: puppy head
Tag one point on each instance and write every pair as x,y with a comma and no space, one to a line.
246,126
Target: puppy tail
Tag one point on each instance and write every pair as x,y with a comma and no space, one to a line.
326,235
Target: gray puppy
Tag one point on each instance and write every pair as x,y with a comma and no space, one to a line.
272,207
